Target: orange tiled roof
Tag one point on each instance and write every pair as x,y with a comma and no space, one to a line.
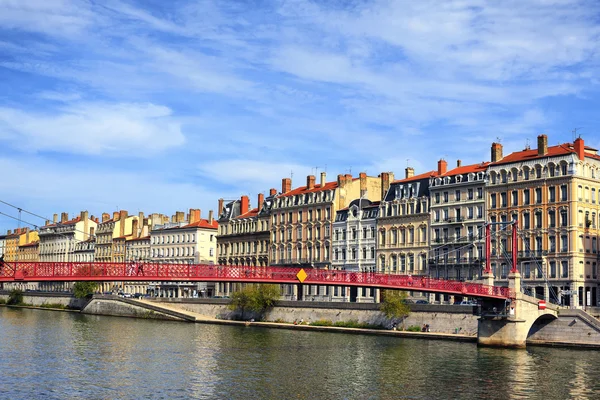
70,222
316,188
424,175
140,238
532,154
249,214
203,223
467,169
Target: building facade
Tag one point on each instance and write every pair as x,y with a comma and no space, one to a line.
403,226
458,216
119,226
554,194
84,250
354,246
58,239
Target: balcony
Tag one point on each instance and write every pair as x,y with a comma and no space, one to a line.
466,261
532,254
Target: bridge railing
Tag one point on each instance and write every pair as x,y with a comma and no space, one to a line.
58,271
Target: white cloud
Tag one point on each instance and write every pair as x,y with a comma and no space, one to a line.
94,128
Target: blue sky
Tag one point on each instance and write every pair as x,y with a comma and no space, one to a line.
159,106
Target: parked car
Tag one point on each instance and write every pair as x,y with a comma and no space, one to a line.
138,295
467,303
127,295
422,302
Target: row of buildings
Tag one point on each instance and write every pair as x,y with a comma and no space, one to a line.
433,223
119,238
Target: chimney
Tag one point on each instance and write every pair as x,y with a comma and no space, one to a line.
64,217
55,218
385,183
47,222
341,181
261,199
83,216
244,205
179,216
210,217
323,178
141,216
134,229
115,216
310,182
194,215
442,167
105,217
97,220
409,172
580,148
9,232
458,163
220,210
542,145
92,231
363,183
496,152
272,192
123,215
286,185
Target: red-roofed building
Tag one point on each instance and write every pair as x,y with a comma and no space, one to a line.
554,193
185,241
458,216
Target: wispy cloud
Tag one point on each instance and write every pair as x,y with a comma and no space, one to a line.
237,95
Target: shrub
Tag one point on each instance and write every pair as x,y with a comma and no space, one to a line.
2,301
15,298
322,322
82,290
53,305
414,328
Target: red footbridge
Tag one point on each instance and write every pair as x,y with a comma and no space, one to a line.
155,272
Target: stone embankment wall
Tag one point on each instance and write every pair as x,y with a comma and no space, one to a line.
122,308
572,327
441,318
38,299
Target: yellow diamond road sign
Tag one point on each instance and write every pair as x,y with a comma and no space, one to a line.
301,275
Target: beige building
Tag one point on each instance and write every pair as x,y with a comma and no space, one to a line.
191,241
58,239
84,250
301,223
554,193
403,225
119,226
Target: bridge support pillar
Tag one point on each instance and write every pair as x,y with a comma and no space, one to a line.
487,279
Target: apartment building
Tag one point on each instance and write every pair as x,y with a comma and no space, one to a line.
301,223
191,241
554,194
458,216
354,246
84,250
58,239
403,225
119,226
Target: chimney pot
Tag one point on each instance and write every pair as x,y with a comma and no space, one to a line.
323,178
220,210
261,200
272,192
458,163
409,172
115,215
64,217
55,218
210,217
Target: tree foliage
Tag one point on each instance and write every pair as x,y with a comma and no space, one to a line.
393,304
82,290
15,297
258,298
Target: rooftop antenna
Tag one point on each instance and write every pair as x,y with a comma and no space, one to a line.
498,140
527,144
575,133
316,170
292,174
407,164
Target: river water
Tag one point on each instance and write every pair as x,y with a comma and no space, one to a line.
55,355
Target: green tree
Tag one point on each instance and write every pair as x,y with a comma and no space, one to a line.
393,304
82,290
15,297
258,298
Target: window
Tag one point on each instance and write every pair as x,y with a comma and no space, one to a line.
552,269
538,172
551,194
564,243
526,199
563,218
299,216
470,194
299,233
538,219
437,198
515,198
445,197
457,195
526,220
563,169
564,266
563,193
552,218
552,240
503,199
538,195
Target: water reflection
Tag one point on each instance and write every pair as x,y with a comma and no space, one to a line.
70,356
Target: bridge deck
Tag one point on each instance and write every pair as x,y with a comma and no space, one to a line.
95,271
